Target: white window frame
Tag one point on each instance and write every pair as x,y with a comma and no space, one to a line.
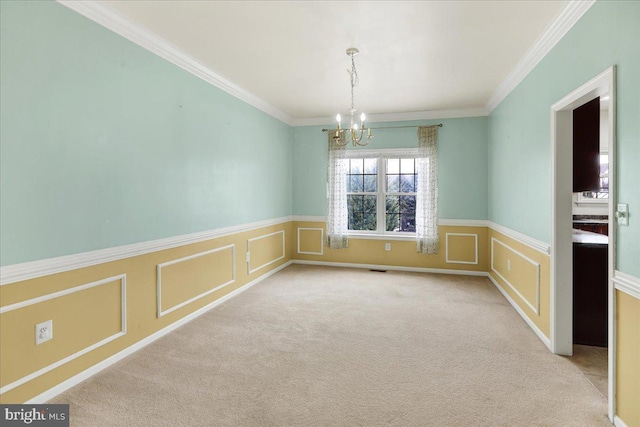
381,219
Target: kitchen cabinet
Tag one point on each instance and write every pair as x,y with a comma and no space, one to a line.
590,293
586,147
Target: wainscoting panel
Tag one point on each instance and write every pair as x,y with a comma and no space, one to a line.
168,283
519,272
84,318
461,248
265,250
628,356
310,240
184,280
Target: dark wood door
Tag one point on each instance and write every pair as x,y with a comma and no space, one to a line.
586,147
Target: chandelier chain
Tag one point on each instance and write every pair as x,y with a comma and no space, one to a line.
354,79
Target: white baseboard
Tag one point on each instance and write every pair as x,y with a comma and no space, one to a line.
77,379
618,422
532,325
391,267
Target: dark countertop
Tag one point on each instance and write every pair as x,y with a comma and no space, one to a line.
589,238
591,221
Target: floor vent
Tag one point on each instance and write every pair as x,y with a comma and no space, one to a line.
378,271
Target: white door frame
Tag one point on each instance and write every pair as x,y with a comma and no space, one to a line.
603,84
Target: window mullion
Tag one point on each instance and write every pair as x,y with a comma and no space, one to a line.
381,211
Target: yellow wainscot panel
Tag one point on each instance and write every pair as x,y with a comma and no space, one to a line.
89,324
519,272
311,240
86,316
628,358
461,248
184,280
265,250
467,244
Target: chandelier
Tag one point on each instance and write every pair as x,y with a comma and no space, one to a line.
354,134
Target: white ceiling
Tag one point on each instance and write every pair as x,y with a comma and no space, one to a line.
415,56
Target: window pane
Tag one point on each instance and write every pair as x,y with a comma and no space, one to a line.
407,166
369,204
603,191
408,204
370,183
355,221
408,223
392,222
356,184
356,166
604,174
407,183
371,166
362,212
393,166
369,222
399,209
355,203
393,204
393,183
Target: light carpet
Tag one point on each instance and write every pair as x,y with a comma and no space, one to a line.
316,346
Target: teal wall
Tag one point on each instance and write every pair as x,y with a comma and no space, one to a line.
519,129
462,165
104,143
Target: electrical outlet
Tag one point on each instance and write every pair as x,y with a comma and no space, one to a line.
622,214
508,265
44,331
387,246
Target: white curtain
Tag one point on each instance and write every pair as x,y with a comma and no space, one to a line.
337,211
427,192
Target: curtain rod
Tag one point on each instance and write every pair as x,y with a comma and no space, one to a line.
394,127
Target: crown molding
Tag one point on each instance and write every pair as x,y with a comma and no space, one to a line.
123,26
540,48
400,117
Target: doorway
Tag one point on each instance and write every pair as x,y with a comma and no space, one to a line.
602,85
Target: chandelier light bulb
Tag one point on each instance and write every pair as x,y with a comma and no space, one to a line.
338,118
355,126
362,117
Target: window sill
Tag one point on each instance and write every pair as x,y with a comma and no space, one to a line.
372,236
